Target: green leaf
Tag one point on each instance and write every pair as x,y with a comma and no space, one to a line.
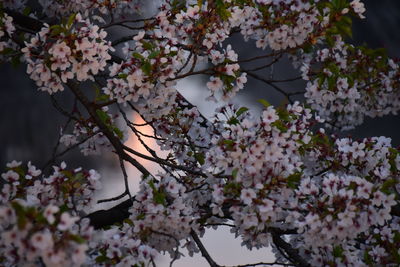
146,68
63,208
99,96
141,216
232,188
367,258
200,158
308,48
280,125
154,54
102,98
233,121
21,215
122,75
159,198
338,252
71,20
264,102
103,116
147,45
78,239
331,83
15,61
344,27
388,185
222,10
118,132
101,258
241,111
26,11
283,114
128,221
152,186
7,51
293,180
137,55
235,172
397,237
229,143
339,5
56,30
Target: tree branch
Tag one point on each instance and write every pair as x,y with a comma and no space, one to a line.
277,88
118,146
203,250
293,254
264,264
117,214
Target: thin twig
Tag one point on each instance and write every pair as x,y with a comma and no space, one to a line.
265,263
116,143
126,192
277,88
52,160
203,250
163,162
176,252
126,21
121,162
186,63
287,80
276,59
137,134
255,58
67,114
292,253
112,198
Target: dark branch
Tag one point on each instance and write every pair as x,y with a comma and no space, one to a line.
203,250
116,143
26,22
104,218
265,264
292,253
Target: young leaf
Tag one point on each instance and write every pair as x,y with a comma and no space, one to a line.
264,102
241,111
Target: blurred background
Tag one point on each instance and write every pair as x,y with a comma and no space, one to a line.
30,125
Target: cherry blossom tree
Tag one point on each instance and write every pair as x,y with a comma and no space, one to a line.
280,179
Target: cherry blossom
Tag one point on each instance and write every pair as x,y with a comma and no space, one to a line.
282,178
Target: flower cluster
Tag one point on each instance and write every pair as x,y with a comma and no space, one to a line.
286,36
55,8
228,80
300,22
119,246
30,235
38,216
358,206
88,136
352,83
358,8
163,214
147,77
6,28
347,193
178,130
57,54
14,4
260,174
274,179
